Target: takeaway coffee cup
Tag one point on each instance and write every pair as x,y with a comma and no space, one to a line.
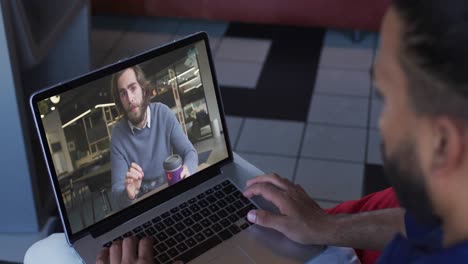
173,167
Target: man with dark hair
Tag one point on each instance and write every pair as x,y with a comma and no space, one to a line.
422,74
140,80
145,136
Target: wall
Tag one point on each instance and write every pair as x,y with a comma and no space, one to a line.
19,215
25,206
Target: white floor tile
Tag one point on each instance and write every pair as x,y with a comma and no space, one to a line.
343,82
234,125
334,143
243,49
282,166
374,155
271,136
330,180
238,74
347,58
214,45
339,110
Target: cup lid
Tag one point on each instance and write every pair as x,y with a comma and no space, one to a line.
172,162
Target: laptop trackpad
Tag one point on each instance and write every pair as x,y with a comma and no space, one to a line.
235,256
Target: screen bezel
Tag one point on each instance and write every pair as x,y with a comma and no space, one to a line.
140,207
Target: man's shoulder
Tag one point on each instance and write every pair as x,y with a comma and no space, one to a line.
159,110
156,106
119,128
120,125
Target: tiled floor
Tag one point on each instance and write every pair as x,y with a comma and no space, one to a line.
327,145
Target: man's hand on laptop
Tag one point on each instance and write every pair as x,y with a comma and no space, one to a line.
133,180
129,251
301,219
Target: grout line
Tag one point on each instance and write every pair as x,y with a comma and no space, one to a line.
376,42
342,68
112,49
324,124
333,160
337,94
125,32
215,54
338,68
267,154
214,49
369,126
241,129
326,200
255,62
298,156
351,45
274,119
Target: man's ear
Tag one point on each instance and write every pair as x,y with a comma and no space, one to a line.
448,145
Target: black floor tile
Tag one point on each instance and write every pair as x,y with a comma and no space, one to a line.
285,86
374,179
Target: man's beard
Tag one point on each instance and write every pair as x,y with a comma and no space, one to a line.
137,118
405,174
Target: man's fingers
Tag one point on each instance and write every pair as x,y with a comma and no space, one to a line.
267,219
268,191
274,179
136,172
103,256
136,167
145,249
129,250
115,252
133,176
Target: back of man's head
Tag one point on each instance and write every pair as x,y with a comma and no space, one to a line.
434,55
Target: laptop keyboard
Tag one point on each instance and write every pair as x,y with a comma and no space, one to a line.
197,225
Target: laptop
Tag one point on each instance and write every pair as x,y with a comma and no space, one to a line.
95,127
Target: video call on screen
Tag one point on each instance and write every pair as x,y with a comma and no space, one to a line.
90,133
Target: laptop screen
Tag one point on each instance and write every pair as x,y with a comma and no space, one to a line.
119,139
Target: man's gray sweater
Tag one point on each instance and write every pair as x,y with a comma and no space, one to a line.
149,147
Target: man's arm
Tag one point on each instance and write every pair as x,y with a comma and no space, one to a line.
181,143
301,219
119,167
371,230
